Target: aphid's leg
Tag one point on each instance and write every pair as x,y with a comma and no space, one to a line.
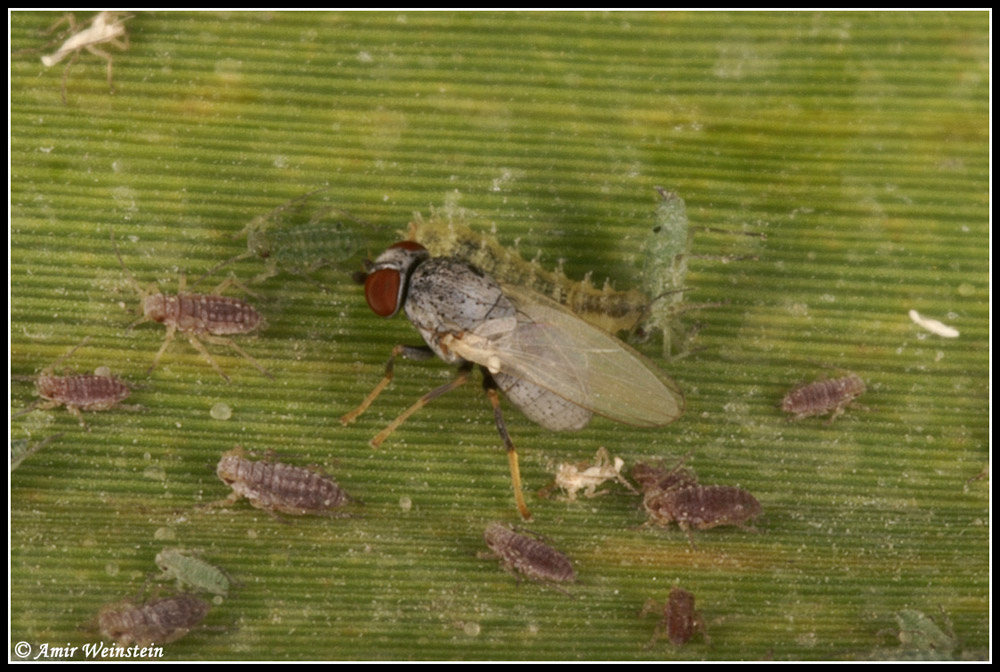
408,352
78,415
463,375
515,471
67,18
315,283
106,56
219,340
222,264
208,358
687,530
838,411
37,405
171,330
231,280
228,501
76,55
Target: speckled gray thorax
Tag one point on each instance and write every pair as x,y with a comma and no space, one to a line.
447,295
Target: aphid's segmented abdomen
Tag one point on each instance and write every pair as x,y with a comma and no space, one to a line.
823,396
209,314
86,392
702,506
157,622
274,486
530,557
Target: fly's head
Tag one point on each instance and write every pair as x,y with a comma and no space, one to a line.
388,278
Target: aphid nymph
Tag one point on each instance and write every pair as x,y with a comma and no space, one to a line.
104,28
701,507
823,396
680,619
279,488
192,572
157,622
521,554
209,316
656,477
83,392
556,368
300,237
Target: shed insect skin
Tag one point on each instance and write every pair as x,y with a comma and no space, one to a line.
210,316
533,558
588,476
279,488
701,507
557,369
157,622
104,28
822,397
83,392
680,620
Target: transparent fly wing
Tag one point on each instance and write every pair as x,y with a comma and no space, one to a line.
552,348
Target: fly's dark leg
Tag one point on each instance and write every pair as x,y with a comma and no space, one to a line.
490,386
407,351
463,375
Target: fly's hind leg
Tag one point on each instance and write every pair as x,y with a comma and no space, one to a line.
490,386
463,375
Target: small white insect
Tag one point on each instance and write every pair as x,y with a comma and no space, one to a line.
588,476
104,28
933,325
556,368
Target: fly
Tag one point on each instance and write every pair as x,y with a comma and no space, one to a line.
558,369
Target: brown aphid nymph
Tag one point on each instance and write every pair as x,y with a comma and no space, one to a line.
157,622
823,396
533,558
701,507
277,487
209,316
653,477
84,392
680,619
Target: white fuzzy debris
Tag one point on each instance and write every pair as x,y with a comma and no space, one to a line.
933,325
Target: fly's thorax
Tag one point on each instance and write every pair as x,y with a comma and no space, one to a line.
388,279
450,296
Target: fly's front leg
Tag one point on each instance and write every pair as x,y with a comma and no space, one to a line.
463,375
417,352
490,386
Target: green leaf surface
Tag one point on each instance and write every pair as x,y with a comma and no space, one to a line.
857,142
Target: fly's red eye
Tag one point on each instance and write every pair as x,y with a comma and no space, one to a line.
382,291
